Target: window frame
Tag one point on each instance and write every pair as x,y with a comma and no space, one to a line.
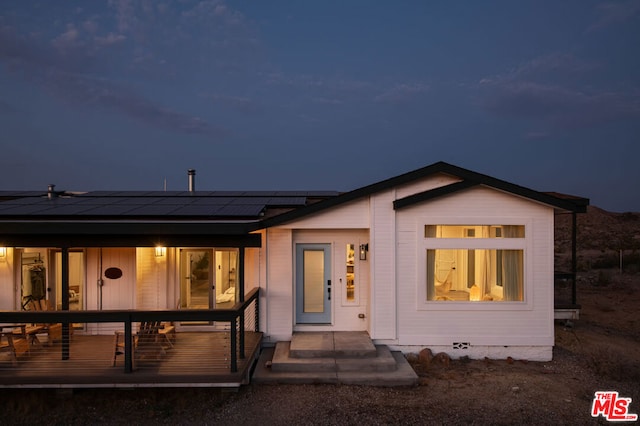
424,243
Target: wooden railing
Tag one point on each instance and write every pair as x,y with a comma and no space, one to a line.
235,316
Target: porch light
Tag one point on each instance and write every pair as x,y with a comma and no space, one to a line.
161,251
3,252
364,248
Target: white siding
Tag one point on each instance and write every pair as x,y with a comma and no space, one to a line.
530,323
352,215
252,265
383,266
279,288
425,184
151,279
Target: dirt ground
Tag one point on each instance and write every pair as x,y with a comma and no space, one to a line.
601,351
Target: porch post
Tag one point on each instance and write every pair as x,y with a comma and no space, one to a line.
241,272
574,260
128,345
241,283
65,301
234,356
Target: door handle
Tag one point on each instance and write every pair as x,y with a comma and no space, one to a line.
329,289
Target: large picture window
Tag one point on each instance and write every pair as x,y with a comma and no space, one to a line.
474,275
474,263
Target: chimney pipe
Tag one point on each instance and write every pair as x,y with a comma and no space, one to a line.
51,192
192,180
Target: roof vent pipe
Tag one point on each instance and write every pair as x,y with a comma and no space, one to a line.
192,180
51,192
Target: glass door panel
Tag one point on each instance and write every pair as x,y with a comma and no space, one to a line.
226,276
313,283
196,279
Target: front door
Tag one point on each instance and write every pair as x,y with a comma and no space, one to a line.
313,283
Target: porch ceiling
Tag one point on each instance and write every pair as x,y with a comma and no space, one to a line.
126,234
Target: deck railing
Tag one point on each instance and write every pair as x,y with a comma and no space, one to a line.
242,317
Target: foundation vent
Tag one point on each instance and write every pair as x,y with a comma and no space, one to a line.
461,345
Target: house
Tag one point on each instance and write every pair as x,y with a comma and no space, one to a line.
440,257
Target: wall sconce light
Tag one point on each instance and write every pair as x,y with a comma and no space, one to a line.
364,248
161,251
3,252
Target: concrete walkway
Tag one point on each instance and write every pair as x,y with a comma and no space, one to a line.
333,357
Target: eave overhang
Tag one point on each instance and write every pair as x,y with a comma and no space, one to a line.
467,178
126,234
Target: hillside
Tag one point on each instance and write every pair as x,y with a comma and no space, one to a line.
601,237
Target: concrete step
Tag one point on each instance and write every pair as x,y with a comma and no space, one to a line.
402,375
283,361
342,344
383,361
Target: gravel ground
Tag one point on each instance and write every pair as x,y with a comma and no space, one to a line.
465,392
601,352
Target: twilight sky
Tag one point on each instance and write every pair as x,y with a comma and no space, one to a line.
327,95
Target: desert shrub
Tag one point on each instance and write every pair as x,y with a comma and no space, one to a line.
631,262
613,364
611,260
606,261
604,278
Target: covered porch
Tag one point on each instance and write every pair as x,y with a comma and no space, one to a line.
221,356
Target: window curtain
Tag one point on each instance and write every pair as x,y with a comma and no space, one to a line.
431,275
512,275
487,277
512,268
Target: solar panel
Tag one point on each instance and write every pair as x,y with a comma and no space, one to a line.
153,203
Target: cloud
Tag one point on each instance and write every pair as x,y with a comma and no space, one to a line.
238,103
327,101
548,89
559,106
110,39
125,14
68,39
554,63
87,91
58,74
612,13
402,93
322,90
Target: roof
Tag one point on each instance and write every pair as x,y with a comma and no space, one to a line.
150,205
178,214
467,179
142,218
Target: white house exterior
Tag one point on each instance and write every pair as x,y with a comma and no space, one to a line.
390,298
441,258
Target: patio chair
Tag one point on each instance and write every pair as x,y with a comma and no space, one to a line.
147,342
53,330
167,333
15,342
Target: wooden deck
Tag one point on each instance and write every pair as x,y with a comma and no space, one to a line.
197,359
